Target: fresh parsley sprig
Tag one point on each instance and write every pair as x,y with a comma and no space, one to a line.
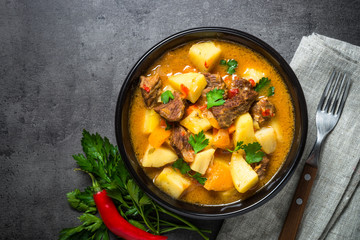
252,151
104,161
271,91
185,169
215,97
263,82
231,64
198,141
239,145
165,96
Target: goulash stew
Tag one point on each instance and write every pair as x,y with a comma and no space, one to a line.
211,122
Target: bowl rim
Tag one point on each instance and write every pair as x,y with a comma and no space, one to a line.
303,124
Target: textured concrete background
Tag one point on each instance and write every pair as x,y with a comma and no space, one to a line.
62,64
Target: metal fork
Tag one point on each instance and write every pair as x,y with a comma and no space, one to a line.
328,113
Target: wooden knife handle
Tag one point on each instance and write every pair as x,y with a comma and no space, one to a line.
297,207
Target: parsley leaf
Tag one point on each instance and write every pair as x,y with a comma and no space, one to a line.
165,96
92,228
215,98
271,91
262,83
198,178
90,222
231,64
198,141
185,169
82,201
239,145
253,153
168,125
182,166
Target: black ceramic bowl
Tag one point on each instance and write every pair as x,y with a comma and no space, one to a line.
204,211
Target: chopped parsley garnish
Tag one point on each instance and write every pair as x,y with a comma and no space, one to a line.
215,98
185,169
168,125
271,91
252,151
165,96
237,147
231,64
262,83
182,166
198,141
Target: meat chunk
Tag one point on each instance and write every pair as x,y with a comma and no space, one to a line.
241,83
233,107
260,168
173,110
179,140
150,89
262,111
213,81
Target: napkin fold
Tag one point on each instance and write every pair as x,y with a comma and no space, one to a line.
333,209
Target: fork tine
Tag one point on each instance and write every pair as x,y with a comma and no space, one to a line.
330,96
339,89
344,96
324,95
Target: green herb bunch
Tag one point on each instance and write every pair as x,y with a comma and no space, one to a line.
104,161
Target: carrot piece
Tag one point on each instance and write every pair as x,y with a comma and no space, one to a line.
221,139
190,109
184,90
214,123
219,177
232,129
158,136
163,123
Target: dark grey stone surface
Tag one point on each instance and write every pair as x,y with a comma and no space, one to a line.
62,64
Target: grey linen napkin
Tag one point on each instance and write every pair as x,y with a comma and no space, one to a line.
333,209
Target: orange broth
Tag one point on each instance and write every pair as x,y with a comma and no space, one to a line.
175,61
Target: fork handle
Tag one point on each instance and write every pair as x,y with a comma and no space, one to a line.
298,203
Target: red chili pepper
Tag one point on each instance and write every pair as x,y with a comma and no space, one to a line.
252,82
265,113
206,65
233,92
185,91
203,107
116,223
146,88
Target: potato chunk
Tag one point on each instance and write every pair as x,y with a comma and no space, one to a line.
211,140
172,182
243,176
274,123
204,55
202,160
196,122
267,139
253,74
244,129
151,121
190,84
158,157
